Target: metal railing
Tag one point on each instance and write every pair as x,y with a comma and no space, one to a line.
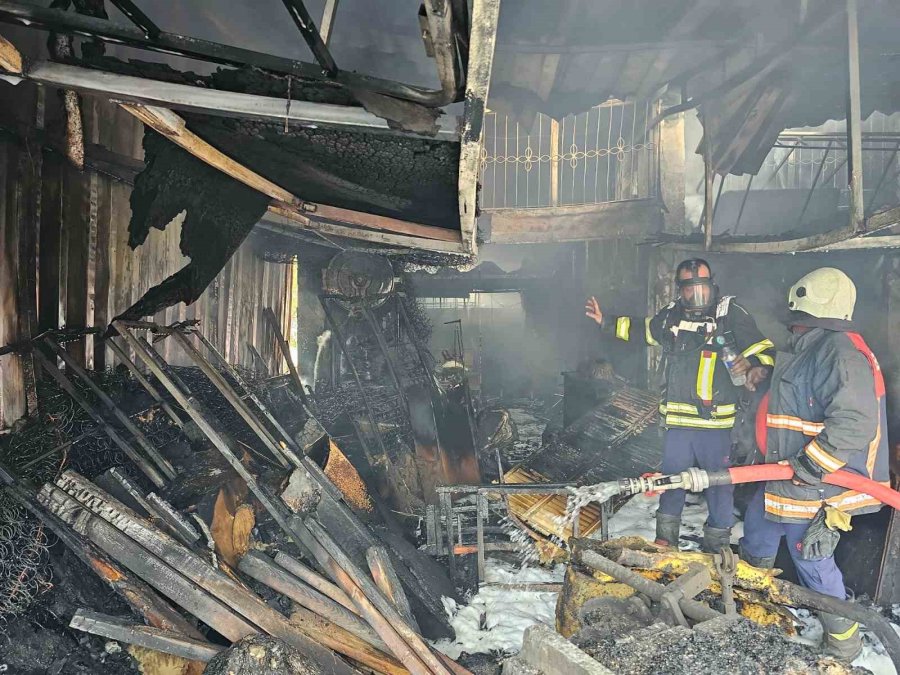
601,155
814,160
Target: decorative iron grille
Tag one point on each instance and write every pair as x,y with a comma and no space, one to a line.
601,155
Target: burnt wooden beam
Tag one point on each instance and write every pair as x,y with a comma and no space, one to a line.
482,39
144,382
121,630
165,467
633,218
218,585
275,326
315,580
171,583
440,21
137,594
264,570
386,579
138,18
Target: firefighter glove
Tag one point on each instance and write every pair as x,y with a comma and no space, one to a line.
820,540
806,471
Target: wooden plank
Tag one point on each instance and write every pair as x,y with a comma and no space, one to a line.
386,579
49,242
613,220
143,381
375,222
214,582
13,403
264,570
148,567
298,220
164,466
158,640
28,198
315,580
285,352
137,594
148,469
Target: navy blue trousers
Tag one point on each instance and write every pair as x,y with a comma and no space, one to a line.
761,538
707,449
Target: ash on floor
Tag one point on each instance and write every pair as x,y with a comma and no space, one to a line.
739,648
40,641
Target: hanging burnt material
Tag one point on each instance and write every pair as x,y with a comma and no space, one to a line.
219,214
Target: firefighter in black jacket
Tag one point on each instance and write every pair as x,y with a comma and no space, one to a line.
699,399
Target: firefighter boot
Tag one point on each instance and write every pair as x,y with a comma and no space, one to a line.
667,529
716,538
766,563
842,637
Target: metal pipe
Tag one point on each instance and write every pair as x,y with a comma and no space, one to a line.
307,27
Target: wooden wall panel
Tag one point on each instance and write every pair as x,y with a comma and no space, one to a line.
86,273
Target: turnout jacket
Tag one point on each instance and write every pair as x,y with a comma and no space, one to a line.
698,392
826,399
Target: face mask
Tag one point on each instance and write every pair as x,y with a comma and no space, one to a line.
696,294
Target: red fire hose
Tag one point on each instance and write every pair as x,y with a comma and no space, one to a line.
845,479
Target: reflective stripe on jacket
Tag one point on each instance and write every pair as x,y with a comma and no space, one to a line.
827,400
698,392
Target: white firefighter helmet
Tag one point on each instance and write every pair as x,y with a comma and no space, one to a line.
825,293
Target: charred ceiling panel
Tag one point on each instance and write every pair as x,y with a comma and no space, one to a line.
409,178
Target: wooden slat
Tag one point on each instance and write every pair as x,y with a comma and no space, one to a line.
158,640
12,383
49,241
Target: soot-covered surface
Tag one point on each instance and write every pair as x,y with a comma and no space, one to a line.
742,647
402,177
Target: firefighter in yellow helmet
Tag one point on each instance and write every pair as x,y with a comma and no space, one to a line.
825,411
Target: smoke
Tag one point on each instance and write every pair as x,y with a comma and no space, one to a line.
321,343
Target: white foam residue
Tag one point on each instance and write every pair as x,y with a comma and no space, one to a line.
496,617
873,657
638,517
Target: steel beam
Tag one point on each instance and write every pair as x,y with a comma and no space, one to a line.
854,122
138,18
307,27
